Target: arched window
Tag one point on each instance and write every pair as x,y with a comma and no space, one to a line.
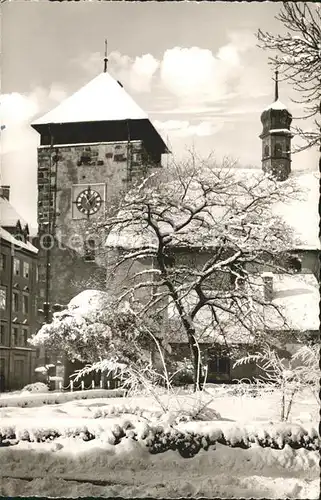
266,150
278,150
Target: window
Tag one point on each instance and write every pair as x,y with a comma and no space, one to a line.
136,158
219,365
266,150
3,298
15,336
25,304
15,301
2,334
16,267
2,261
26,268
295,264
37,273
278,150
25,335
90,250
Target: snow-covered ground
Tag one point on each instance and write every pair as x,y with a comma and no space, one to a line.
72,466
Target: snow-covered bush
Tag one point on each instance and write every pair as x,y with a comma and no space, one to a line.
286,374
307,366
93,328
36,387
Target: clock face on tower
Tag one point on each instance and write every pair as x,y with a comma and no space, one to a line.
88,201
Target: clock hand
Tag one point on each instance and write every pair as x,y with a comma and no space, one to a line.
92,197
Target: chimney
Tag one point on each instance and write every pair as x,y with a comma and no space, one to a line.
5,192
268,286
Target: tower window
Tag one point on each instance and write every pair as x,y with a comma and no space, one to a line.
278,150
266,150
119,157
90,250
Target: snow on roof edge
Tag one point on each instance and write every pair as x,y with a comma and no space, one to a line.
11,239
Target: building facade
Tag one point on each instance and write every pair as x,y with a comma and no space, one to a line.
18,298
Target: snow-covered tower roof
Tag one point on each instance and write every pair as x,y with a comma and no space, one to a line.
100,111
102,99
276,115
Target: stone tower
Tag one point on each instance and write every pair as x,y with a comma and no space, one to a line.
276,138
91,147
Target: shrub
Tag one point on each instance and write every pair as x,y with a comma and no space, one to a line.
36,387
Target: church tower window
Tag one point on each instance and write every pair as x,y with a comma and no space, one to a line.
278,150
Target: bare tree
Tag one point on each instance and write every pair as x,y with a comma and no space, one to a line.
192,239
298,58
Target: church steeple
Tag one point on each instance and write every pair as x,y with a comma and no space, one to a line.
276,137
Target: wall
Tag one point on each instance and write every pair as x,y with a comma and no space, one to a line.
107,168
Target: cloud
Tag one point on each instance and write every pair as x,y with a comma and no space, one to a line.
16,108
184,128
134,72
142,72
17,112
196,74
192,74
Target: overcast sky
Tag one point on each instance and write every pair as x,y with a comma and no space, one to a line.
193,67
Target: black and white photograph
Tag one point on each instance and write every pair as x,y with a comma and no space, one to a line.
160,249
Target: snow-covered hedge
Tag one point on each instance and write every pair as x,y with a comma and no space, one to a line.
161,438
38,399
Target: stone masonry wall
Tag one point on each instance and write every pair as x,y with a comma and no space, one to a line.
63,172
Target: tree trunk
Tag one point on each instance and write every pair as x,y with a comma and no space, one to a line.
196,357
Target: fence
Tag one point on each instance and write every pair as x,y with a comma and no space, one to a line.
110,384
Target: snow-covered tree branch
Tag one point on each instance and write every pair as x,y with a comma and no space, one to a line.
190,243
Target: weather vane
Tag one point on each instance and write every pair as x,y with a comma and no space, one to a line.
105,58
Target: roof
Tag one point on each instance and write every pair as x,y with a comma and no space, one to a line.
9,215
5,235
300,214
102,99
280,131
296,296
276,105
